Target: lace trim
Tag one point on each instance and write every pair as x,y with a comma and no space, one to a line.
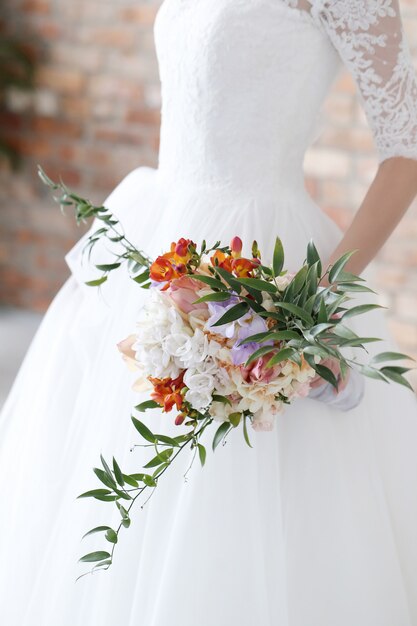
370,39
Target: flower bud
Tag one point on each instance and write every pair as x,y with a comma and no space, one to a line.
236,246
179,419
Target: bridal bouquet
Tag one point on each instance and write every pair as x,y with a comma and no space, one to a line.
223,340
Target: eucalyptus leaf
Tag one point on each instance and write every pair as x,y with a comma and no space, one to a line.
95,493
95,556
105,478
360,309
97,282
283,355
223,399
98,529
148,404
111,536
390,356
220,433
214,296
278,257
234,313
245,431
143,430
258,284
202,453
338,266
297,311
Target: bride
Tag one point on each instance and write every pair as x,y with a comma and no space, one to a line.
314,526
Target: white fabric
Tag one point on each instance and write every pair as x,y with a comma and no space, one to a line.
314,526
370,39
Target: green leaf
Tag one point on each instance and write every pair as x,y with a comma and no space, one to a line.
339,265
149,480
118,473
235,313
326,374
202,453
215,296
167,440
390,356
108,267
320,328
278,258
161,457
105,478
318,350
313,255
396,377
322,316
97,282
230,279
344,332
130,481
208,280
234,419
272,335
357,343
312,279
297,311
258,353
220,433
258,284
298,281
358,310
347,277
282,355
95,556
95,493
126,522
148,404
106,467
372,372
143,430
98,529
354,287
111,536
245,431
223,399
140,278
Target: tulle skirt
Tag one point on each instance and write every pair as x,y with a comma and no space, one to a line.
313,526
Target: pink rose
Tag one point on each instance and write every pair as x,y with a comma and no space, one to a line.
257,371
183,292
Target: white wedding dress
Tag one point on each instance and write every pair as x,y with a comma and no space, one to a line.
317,524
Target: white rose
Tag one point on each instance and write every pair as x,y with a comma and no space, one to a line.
200,388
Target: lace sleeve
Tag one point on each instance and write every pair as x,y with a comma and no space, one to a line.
370,39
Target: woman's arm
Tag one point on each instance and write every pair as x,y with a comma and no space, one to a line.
387,200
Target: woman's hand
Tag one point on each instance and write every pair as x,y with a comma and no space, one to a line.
333,365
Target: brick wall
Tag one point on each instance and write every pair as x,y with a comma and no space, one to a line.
94,116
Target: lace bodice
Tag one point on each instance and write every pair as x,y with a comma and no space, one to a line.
370,39
243,82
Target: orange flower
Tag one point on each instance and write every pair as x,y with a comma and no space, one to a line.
167,392
243,267
219,259
172,264
162,270
181,249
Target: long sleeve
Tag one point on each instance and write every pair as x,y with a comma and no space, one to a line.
370,39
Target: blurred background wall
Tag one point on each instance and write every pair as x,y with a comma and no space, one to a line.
93,115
